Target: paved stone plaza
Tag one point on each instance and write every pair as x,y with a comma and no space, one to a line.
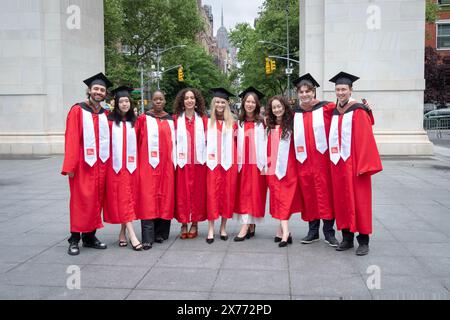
410,247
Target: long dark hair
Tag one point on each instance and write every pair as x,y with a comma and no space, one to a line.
287,123
117,117
178,105
242,112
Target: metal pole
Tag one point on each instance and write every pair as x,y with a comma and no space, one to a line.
157,67
142,88
287,46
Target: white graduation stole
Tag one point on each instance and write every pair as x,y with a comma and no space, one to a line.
89,143
299,138
282,155
343,150
226,149
153,141
319,134
260,144
117,147
182,141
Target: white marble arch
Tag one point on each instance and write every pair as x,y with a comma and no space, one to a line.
47,48
381,41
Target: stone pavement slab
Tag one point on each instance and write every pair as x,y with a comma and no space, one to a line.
410,247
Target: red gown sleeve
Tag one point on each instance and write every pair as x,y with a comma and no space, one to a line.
367,157
72,142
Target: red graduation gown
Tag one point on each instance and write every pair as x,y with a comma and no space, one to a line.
314,173
251,192
156,185
87,187
285,196
221,184
190,180
121,188
352,187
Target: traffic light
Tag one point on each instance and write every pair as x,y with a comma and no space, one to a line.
180,74
268,66
273,65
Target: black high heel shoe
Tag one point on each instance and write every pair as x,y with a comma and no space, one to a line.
251,234
224,238
278,239
285,243
238,239
137,247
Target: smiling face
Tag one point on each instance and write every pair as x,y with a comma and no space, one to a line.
189,101
219,107
278,109
343,92
305,94
158,101
250,105
124,104
97,93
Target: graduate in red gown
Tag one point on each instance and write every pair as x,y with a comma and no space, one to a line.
354,159
251,189
285,196
221,175
311,127
85,156
157,161
121,174
190,123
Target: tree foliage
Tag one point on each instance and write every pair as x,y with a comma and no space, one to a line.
435,79
143,26
270,26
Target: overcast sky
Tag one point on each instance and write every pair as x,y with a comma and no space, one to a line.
234,11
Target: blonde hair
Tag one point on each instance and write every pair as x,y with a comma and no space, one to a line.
227,116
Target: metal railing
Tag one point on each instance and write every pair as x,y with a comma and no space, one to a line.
437,126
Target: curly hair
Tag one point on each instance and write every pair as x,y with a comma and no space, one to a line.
178,105
242,112
287,122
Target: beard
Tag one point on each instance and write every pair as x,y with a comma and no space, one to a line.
95,98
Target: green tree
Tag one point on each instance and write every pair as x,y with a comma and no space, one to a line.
143,26
270,26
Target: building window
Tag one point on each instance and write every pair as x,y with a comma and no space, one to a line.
444,2
443,36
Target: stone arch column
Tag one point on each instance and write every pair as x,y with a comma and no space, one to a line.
381,41
47,48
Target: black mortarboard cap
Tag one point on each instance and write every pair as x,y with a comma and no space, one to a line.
100,79
306,79
122,91
221,93
344,78
251,89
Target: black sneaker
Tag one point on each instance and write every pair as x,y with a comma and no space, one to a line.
73,249
362,250
344,245
331,240
310,238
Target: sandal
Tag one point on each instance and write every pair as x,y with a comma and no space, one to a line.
137,247
123,243
192,235
183,235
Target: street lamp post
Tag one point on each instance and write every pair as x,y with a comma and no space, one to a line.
158,55
288,69
141,67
